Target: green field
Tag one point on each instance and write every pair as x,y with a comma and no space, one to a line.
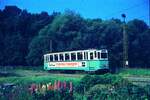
31,76
37,76
139,72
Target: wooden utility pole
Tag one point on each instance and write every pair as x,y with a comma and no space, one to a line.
125,43
50,45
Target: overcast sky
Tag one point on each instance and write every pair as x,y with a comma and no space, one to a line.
105,9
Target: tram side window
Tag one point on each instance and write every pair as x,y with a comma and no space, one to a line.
87,55
51,57
91,55
61,57
98,54
79,56
56,57
73,56
46,59
66,56
104,55
95,54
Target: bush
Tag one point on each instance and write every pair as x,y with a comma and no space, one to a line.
110,87
97,92
147,89
123,91
91,80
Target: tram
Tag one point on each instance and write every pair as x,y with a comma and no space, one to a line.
90,60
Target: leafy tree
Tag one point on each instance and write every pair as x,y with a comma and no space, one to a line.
60,32
136,33
13,53
17,28
1,49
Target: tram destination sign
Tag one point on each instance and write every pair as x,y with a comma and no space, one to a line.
65,64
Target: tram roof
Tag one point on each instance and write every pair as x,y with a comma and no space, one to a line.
75,51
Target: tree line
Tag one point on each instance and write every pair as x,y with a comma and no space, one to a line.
26,37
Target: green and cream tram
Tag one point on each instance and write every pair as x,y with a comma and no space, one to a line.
83,60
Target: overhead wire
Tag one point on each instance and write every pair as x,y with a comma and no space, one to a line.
126,9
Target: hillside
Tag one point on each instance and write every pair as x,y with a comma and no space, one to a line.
25,37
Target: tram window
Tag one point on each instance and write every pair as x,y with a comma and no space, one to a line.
73,56
98,54
56,57
79,56
95,55
46,58
103,55
51,57
66,56
87,55
91,55
61,57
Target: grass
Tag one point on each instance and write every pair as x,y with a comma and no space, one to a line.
36,79
135,72
31,76
24,76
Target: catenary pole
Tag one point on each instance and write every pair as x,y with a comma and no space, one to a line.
125,43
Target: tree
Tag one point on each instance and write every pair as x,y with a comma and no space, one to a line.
38,48
1,49
14,50
61,32
136,33
17,28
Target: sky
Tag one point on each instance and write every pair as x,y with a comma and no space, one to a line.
104,9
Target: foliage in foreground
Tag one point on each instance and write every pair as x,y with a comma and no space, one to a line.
111,87
54,95
91,87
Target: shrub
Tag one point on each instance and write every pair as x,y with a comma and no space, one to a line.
91,80
111,92
97,92
111,87
147,89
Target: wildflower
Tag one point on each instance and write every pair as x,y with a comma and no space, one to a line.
50,87
55,85
43,89
71,87
33,89
64,85
58,85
